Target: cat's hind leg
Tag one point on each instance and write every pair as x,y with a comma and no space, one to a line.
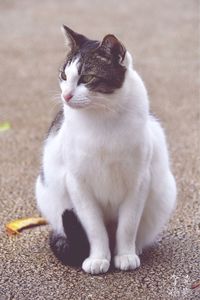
161,198
67,240
52,202
158,208
73,248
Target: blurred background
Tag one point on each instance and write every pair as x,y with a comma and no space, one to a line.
163,37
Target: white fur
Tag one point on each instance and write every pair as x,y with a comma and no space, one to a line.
109,161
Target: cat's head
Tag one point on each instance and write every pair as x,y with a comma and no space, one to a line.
92,71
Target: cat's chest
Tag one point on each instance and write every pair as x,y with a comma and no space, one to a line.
105,150
106,163
107,173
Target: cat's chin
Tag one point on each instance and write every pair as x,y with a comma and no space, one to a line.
79,105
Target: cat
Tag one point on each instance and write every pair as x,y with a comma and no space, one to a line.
105,160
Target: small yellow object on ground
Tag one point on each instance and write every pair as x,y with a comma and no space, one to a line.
15,226
4,126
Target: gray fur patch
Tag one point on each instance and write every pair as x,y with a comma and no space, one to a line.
42,177
57,123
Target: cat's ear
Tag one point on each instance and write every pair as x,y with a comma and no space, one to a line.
74,39
112,46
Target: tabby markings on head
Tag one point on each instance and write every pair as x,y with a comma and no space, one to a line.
99,63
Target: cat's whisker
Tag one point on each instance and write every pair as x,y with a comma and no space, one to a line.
81,97
54,93
100,97
104,107
121,106
125,108
56,103
56,98
115,111
105,104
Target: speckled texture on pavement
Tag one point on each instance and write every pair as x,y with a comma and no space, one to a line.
163,36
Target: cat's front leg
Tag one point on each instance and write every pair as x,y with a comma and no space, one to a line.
90,216
130,213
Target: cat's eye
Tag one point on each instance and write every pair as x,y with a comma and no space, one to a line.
86,78
63,75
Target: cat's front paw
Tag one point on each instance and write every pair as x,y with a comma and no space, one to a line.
95,265
126,262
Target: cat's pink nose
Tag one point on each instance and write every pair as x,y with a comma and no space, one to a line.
67,97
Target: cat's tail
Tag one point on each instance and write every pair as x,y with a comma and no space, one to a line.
73,248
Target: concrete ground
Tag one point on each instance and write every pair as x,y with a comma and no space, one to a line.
163,36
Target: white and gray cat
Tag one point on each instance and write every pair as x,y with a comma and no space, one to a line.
105,161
